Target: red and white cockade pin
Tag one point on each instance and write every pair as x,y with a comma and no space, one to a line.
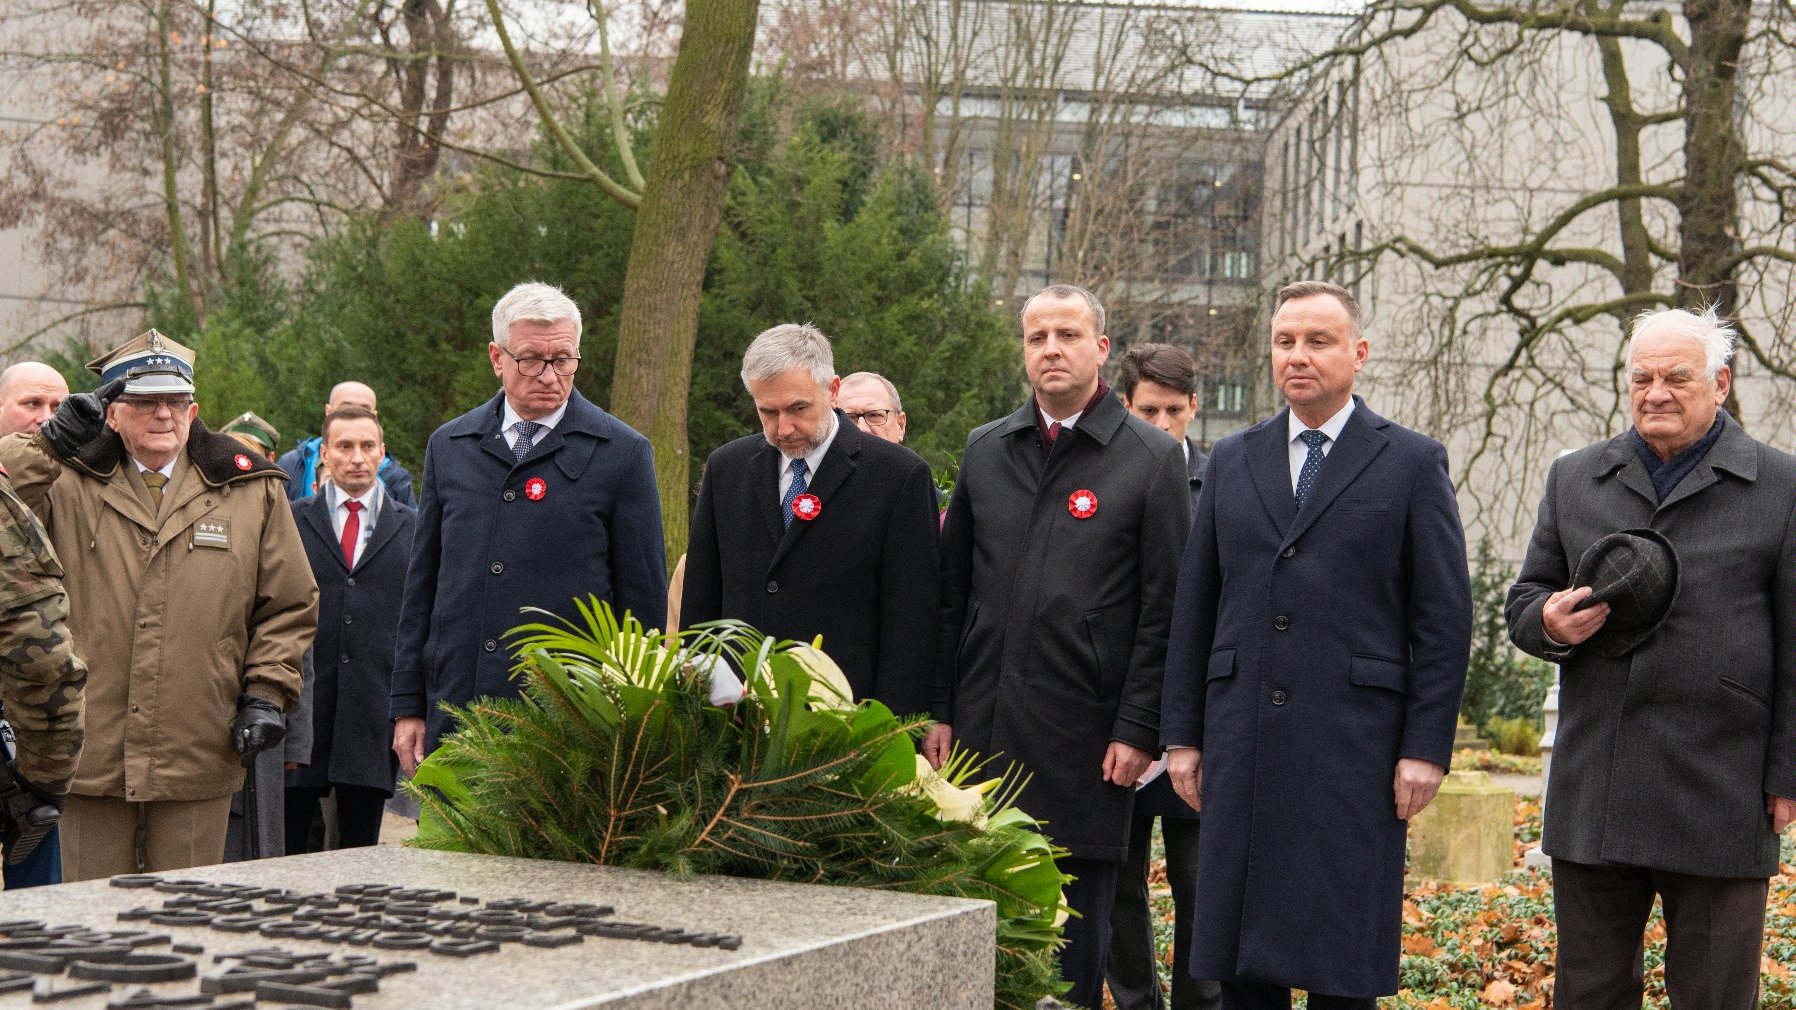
535,488
1083,504
242,461
807,507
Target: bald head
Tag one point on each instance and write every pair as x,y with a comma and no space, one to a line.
30,392
358,393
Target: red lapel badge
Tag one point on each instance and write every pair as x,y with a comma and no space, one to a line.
1083,504
535,488
242,461
807,507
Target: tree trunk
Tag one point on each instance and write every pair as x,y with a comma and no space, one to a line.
1708,203
676,225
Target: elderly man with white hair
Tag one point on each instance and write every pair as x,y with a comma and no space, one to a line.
535,498
1662,577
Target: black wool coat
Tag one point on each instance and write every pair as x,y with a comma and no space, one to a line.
863,574
352,657
1663,756
1053,627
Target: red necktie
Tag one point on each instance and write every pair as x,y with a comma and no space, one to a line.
352,531
1053,432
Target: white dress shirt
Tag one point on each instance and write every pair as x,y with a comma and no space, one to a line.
1066,423
508,425
1299,450
338,500
812,459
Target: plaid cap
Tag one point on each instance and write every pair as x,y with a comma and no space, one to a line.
1636,573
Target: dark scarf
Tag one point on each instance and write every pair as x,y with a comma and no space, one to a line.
1666,473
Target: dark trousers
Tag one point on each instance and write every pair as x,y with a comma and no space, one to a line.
1087,934
1266,996
359,810
1134,980
43,866
1714,933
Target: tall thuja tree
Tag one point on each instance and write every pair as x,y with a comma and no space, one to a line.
824,228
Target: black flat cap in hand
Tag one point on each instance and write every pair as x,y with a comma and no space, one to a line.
1636,573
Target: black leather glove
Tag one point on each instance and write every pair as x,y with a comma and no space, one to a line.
80,419
258,726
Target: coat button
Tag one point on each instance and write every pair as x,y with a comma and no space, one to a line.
491,645
348,619
511,495
343,658
773,587
133,708
349,581
498,567
1281,622
1289,552
1278,697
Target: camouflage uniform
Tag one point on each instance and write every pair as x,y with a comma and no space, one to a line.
42,682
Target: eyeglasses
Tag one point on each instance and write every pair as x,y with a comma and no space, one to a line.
153,404
533,367
876,418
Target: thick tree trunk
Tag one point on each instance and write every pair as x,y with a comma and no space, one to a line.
1708,203
676,225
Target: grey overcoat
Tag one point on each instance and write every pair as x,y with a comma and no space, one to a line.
1663,756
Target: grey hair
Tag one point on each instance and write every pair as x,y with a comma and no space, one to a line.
1707,327
891,390
533,302
782,348
1073,291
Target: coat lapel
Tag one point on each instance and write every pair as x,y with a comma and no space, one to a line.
318,517
1360,441
838,465
767,464
1621,461
1269,460
124,495
1734,452
385,526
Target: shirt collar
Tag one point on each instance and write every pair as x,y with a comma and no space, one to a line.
1331,427
1044,420
370,498
815,457
509,418
167,471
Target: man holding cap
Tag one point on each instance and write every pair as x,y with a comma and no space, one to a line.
191,601
1662,577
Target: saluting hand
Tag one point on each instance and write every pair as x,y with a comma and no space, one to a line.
1565,624
79,419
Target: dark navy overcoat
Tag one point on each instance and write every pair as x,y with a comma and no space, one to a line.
1310,650
580,515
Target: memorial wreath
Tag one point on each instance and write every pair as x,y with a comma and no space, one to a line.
618,754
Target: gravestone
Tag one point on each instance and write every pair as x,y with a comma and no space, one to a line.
390,928
1467,835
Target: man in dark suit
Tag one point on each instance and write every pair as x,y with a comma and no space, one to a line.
535,498
1310,705
814,527
359,541
1058,564
1158,383
1675,770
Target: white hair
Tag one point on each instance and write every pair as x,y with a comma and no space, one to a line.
891,390
781,348
1706,327
533,302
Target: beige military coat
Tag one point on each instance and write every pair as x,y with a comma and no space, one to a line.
177,610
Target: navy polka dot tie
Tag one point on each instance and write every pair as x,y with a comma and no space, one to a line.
526,439
798,486
1312,463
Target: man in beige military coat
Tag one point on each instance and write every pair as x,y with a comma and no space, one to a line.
191,601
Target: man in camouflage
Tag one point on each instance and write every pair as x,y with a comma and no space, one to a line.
42,683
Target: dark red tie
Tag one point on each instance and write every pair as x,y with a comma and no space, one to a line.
1053,432
352,531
